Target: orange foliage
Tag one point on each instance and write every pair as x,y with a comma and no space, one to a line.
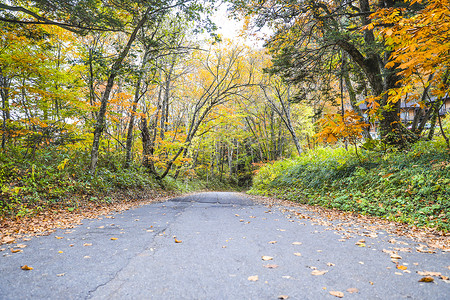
419,45
334,127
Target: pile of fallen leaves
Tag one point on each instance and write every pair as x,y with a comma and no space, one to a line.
361,225
52,218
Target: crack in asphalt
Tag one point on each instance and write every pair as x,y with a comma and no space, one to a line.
152,248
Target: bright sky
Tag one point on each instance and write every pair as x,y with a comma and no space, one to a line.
230,28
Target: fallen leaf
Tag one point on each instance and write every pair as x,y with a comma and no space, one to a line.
71,245
2,249
317,272
253,278
264,257
178,241
20,246
60,252
403,249
272,242
428,273
371,283
89,244
271,266
360,244
352,290
398,273
330,264
337,294
283,297
59,237
401,267
241,220
296,243
396,256
426,279
87,256
26,268
286,277
113,238
236,215
443,277
297,254
8,239
62,274
101,227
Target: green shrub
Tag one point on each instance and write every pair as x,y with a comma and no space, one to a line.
409,186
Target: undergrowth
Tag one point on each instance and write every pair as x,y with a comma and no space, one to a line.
60,178
408,186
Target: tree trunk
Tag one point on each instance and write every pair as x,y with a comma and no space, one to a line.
5,84
100,123
147,147
137,97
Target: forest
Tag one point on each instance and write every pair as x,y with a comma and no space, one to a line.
346,105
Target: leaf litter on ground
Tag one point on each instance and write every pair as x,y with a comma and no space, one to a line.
356,224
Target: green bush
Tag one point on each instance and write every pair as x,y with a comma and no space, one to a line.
56,176
408,186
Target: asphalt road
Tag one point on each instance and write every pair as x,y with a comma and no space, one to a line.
222,239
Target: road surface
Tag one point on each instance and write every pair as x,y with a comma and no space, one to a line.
211,246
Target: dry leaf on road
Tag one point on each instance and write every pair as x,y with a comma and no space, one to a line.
352,290
317,272
297,254
426,279
271,266
8,239
428,273
253,278
264,257
337,294
296,243
26,268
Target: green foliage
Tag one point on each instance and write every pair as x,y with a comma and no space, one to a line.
411,187
59,177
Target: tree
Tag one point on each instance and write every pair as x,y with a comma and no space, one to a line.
418,41
311,35
215,78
